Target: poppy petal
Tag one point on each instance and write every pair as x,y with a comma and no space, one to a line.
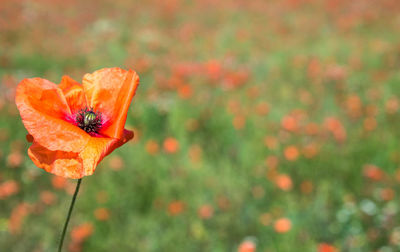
76,165
99,147
74,94
44,112
29,138
60,163
128,135
110,91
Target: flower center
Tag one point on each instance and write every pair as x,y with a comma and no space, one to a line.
88,120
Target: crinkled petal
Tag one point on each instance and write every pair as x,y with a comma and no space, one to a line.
74,94
76,165
60,163
110,91
99,147
44,112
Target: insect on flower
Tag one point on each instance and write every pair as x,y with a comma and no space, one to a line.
74,126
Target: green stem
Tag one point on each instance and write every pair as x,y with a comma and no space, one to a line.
71,207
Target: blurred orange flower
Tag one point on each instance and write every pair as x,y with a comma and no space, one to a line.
312,129
336,73
262,108
392,105
336,128
14,159
152,147
354,106
234,106
185,91
116,162
59,182
17,217
81,232
102,214
291,153
213,69
47,197
289,123
314,69
247,246
370,123
223,203
387,194
325,247
176,207
74,126
8,188
171,145
271,142
206,211
239,122
282,225
272,162
373,172
397,175
253,92
310,150
284,182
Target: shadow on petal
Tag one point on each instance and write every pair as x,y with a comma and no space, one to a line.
60,163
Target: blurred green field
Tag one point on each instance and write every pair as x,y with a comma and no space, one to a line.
259,126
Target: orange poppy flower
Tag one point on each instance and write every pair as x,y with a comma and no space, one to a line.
74,126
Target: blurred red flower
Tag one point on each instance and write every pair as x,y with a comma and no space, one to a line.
74,126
